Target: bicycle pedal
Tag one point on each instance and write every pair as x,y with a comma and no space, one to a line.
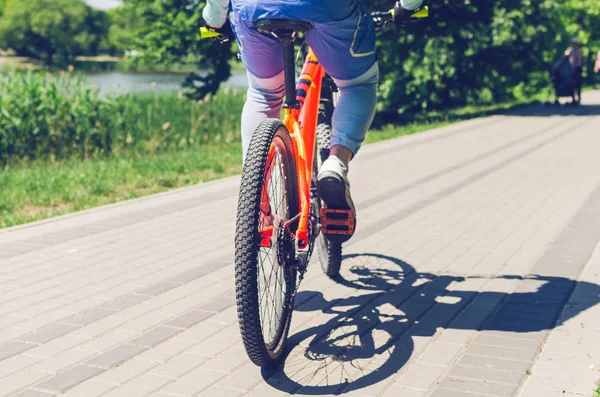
337,222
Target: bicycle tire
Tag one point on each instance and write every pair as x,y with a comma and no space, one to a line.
329,253
250,251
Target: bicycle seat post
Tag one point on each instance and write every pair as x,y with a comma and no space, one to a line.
290,74
285,30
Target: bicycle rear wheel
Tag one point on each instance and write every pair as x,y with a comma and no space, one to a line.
329,253
264,244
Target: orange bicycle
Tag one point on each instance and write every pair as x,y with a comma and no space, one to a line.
280,215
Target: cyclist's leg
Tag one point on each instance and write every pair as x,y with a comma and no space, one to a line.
346,49
263,58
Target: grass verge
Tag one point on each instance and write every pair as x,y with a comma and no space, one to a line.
43,189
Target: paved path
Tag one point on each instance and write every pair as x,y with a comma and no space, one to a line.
475,268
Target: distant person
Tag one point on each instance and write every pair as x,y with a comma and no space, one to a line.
597,66
575,55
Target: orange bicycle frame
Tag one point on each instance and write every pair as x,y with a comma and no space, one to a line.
301,122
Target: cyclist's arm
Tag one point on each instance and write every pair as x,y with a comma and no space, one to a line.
215,12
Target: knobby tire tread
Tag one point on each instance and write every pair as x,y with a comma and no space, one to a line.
247,246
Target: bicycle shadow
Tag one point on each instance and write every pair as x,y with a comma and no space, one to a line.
370,335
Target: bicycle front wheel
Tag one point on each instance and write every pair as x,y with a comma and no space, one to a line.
264,243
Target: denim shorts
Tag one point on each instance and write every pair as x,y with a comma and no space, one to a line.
343,37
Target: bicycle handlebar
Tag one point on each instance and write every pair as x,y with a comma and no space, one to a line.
381,19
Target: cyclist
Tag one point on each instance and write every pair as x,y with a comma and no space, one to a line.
343,39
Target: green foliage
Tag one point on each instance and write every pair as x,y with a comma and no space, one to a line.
2,6
169,33
46,117
48,28
124,22
469,53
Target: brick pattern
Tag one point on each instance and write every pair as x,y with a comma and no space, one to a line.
472,264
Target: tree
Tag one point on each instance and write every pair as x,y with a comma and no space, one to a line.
124,22
46,29
169,33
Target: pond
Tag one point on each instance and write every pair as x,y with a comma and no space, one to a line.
118,82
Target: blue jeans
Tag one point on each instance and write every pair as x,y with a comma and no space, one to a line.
343,38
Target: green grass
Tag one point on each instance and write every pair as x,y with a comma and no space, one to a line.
45,117
597,391
41,190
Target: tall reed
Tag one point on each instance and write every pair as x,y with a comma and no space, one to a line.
44,116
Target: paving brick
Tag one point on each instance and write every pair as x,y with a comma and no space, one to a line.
115,356
194,382
65,380
180,365
512,343
157,289
494,363
33,393
20,380
501,352
489,374
13,348
63,360
124,302
192,318
535,392
442,392
478,386
56,346
221,392
109,340
88,317
17,363
154,337
220,303
406,392
566,385
146,384
421,376
243,378
214,345
51,332
229,360
125,372
89,388
165,350
440,353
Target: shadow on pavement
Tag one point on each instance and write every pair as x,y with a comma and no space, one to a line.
367,337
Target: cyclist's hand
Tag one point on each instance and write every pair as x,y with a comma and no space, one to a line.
403,17
225,31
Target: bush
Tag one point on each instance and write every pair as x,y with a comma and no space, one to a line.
58,117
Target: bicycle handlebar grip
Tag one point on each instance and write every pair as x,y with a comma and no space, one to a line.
205,33
424,13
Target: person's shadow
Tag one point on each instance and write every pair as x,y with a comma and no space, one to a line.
369,336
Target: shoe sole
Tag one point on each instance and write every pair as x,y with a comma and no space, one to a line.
332,191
